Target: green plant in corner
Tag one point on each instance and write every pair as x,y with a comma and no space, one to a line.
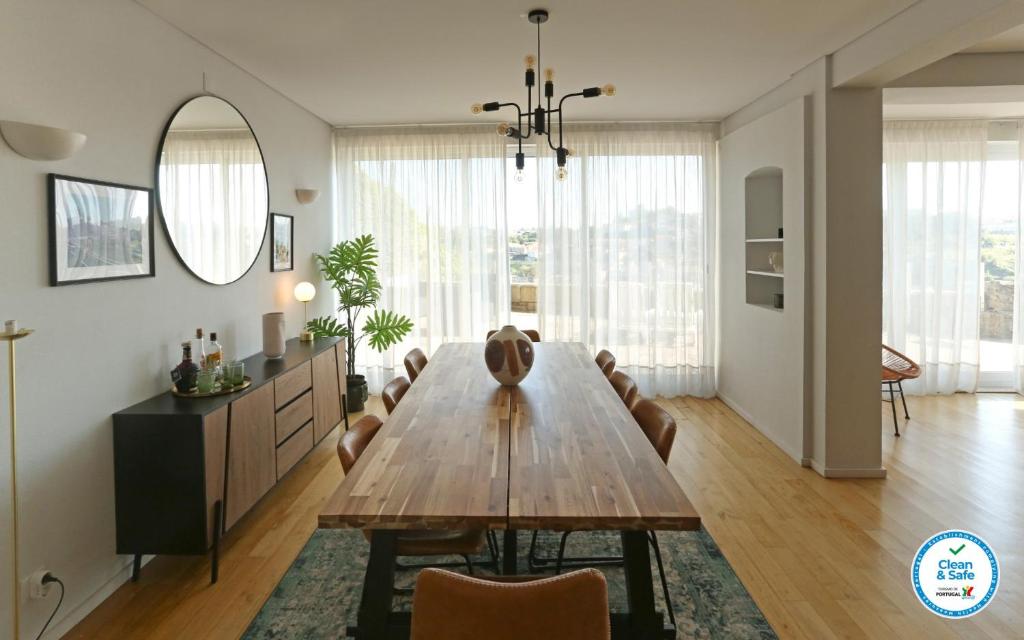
351,270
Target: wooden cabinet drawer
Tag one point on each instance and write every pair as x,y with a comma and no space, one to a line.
291,385
289,453
294,416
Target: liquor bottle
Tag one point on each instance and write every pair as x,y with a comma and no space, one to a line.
215,355
185,374
199,348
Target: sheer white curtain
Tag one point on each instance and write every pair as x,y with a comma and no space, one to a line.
435,201
627,251
1018,279
209,180
934,180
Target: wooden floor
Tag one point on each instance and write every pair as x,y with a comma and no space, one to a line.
823,558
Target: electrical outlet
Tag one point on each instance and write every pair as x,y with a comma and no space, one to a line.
37,589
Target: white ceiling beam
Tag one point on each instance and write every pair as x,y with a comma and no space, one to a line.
968,70
923,33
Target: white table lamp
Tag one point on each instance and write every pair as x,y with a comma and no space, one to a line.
304,292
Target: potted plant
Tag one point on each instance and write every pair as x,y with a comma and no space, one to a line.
351,270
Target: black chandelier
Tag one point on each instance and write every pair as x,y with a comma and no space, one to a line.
538,120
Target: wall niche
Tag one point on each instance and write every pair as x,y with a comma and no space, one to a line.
764,238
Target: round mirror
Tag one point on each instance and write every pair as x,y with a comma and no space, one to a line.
212,189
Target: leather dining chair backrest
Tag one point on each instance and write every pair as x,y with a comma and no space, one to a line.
393,392
606,361
354,441
572,606
657,424
415,361
625,387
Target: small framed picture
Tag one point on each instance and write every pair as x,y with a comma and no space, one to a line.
282,242
99,231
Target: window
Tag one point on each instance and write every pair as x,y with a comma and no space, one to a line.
521,212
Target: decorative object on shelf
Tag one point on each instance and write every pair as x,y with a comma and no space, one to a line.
235,373
206,380
12,394
282,242
775,260
99,231
38,142
215,390
210,176
780,233
215,356
304,292
777,301
350,269
509,355
538,120
307,196
273,334
185,375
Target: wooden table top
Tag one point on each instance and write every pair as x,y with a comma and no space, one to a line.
441,459
577,458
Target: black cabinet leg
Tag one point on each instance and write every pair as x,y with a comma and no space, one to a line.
136,567
378,586
218,525
645,622
344,409
509,557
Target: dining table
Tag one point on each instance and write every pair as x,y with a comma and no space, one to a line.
560,451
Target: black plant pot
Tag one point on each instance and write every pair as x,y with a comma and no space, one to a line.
357,393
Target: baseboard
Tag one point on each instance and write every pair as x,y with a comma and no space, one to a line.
741,412
64,624
836,472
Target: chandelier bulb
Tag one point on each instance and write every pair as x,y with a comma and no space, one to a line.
476,109
503,129
549,74
608,90
520,176
561,174
530,61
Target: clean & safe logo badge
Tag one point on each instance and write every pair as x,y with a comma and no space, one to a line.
955,574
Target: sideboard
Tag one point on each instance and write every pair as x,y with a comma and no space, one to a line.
187,469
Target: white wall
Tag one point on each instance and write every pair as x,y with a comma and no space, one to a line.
114,71
761,357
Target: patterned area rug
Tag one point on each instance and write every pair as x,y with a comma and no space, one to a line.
319,595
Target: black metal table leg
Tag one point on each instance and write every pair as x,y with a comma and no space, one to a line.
509,557
645,621
218,525
378,586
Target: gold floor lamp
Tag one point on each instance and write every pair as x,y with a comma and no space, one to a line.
10,338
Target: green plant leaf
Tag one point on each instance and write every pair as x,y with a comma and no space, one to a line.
326,326
384,329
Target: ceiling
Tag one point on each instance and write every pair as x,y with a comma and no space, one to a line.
395,61
1012,40
928,103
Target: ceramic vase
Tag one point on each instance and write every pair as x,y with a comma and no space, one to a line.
509,355
273,335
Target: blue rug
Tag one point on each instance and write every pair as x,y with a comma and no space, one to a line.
319,595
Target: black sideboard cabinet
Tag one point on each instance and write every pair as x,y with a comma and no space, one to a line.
187,469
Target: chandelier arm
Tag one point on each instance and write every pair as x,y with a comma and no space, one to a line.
560,102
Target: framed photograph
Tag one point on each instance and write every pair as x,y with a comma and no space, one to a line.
282,242
99,231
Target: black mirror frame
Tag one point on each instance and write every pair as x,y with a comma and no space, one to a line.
159,200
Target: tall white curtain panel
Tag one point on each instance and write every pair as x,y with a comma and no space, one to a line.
627,251
434,199
934,176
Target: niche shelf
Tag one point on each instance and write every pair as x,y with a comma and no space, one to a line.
763,231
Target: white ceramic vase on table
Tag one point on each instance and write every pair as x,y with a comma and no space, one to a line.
509,355
273,334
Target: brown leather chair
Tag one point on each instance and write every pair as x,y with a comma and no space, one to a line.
451,606
606,361
415,361
532,334
415,543
657,424
393,392
625,387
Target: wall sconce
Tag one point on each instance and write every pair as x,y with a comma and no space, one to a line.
37,142
307,196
